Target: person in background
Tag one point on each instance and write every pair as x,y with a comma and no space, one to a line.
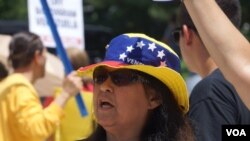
214,101
22,116
227,46
139,93
73,125
80,58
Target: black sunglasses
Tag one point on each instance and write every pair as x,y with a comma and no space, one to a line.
120,77
176,33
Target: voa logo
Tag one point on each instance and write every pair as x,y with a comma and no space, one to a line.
236,132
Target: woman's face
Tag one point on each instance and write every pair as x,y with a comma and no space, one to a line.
42,63
120,101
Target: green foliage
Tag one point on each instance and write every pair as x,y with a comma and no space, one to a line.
123,16
13,9
245,18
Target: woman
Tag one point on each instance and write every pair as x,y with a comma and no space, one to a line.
139,94
22,116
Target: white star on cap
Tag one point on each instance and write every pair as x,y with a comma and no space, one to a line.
122,56
160,54
151,47
130,48
140,44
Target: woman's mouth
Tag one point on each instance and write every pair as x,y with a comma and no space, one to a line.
104,104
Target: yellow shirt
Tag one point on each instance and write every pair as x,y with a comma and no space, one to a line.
73,125
22,117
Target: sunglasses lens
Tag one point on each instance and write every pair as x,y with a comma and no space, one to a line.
123,77
120,77
100,75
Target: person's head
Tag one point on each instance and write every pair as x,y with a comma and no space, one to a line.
27,53
187,36
138,89
78,58
231,8
3,71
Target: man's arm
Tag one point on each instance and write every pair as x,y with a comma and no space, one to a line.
228,47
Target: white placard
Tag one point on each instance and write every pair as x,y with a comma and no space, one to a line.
68,16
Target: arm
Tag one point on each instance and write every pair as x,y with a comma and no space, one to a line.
30,119
39,123
228,47
71,86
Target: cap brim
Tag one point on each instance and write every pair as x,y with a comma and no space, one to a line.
169,77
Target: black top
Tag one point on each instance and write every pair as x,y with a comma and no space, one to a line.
215,102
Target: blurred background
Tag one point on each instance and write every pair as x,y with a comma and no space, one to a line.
104,19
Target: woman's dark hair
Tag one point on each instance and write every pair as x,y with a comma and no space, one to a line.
164,123
3,71
22,49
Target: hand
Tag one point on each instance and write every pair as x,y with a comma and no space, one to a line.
72,84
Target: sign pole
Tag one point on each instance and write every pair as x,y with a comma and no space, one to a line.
61,52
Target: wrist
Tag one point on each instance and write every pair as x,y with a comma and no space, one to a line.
62,99
65,95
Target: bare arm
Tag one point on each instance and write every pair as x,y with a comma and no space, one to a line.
228,47
71,86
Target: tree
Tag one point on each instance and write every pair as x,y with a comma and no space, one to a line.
123,16
13,10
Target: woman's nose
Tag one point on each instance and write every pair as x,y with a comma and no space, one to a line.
107,85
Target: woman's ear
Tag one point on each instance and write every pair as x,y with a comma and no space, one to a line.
38,57
153,100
